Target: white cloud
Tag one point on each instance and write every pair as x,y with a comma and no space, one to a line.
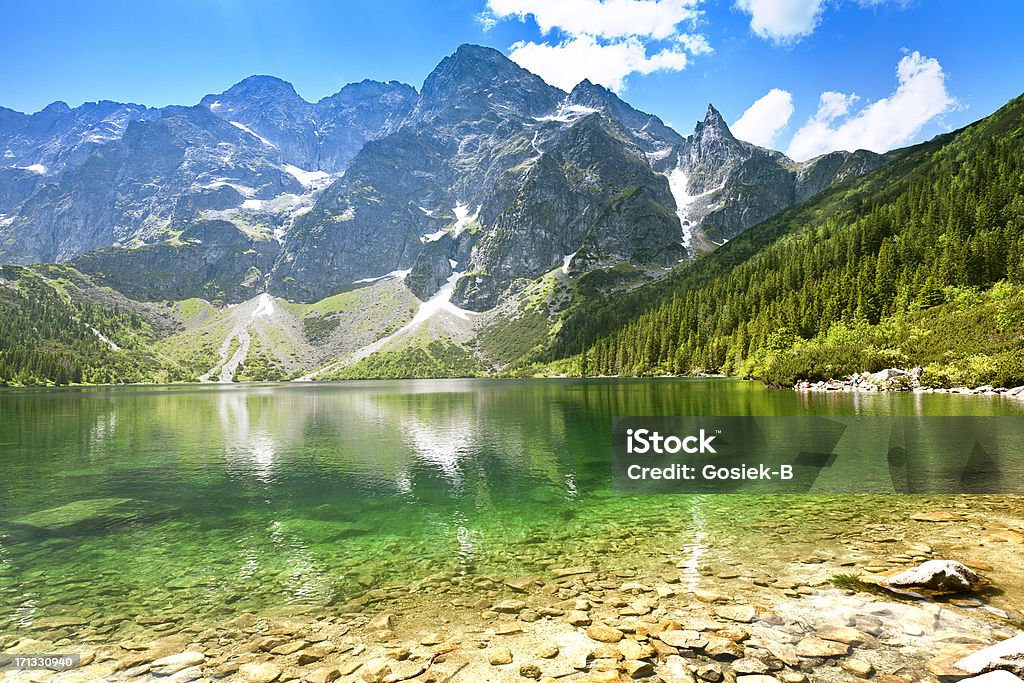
566,64
765,119
655,19
782,21
788,21
881,125
603,40
695,43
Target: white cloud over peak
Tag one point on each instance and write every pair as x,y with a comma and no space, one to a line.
602,40
762,122
655,19
782,21
569,62
881,125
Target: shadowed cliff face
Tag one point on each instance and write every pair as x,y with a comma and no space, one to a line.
488,173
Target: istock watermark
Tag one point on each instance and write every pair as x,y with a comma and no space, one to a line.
814,454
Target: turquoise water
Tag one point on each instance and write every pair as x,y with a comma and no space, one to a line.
205,502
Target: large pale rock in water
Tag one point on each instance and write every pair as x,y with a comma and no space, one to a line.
938,575
1007,655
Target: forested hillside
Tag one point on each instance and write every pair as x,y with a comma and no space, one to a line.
918,263
47,337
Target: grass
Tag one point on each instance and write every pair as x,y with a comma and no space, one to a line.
853,582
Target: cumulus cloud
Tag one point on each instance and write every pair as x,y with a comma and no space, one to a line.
879,126
788,21
782,21
655,19
762,122
569,62
695,43
602,40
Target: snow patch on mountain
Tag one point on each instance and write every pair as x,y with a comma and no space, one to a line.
309,179
566,114
103,338
243,127
677,184
395,273
434,236
567,260
264,307
463,218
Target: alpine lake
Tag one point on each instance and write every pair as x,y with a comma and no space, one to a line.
464,530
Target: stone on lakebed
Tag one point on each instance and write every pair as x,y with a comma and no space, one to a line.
83,515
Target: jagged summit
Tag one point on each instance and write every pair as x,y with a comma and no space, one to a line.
354,92
478,78
254,89
650,132
713,122
58,107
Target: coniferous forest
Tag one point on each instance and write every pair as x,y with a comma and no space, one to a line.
918,264
47,338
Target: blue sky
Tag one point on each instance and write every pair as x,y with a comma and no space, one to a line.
820,74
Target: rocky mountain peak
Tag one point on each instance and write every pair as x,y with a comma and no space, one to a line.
357,93
585,90
58,107
649,131
478,78
713,125
262,87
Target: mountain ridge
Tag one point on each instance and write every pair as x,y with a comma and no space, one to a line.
489,197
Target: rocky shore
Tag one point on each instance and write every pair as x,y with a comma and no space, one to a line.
853,613
896,379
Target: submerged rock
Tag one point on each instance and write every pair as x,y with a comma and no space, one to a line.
259,672
604,634
175,663
937,575
82,515
935,516
818,647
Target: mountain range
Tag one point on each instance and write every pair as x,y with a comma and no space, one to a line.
453,226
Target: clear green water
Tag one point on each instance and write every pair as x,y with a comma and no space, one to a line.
244,498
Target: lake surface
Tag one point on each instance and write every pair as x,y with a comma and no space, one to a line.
206,502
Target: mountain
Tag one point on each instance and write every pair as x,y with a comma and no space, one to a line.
489,197
35,148
145,187
919,263
322,136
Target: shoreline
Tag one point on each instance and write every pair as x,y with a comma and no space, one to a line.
900,380
838,385
646,610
